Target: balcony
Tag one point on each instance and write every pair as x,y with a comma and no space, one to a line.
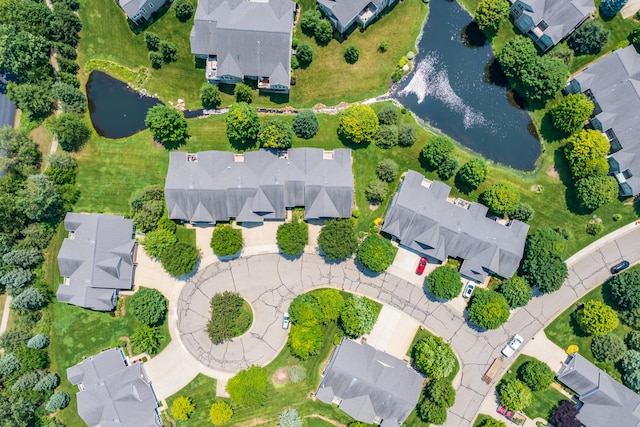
263,83
212,67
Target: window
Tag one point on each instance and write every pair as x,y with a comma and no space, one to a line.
143,10
151,5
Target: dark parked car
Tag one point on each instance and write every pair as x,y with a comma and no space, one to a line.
421,265
619,267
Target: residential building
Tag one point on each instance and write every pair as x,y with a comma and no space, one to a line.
604,400
344,14
214,186
97,260
548,22
243,39
370,385
424,218
613,84
139,11
7,108
114,392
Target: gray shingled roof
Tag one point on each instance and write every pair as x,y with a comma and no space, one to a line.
114,393
370,384
614,81
346,10
258,185
7,111
97,259
424,220
604,399
131,7
249,38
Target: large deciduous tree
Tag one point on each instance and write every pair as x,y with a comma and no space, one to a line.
40,199
514,394
249,387
305,341
358,124
337,239
434,357
543,266
444,282
597,318
20,155
571,112
473,173
167,124
517,291
625,288
149,306
536,375
357,317
72,131
488,309
501,197
242,124
437,150
596,191
586,153
275,134
491,13
376,253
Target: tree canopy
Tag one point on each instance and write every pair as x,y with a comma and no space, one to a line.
376,253
358,124
71,129
337,239
516,291
242,124
20,155
625,289
437,150
536,375
167,124
501,197
305,341
595,191
589,38
357,317
514,394
292,237
305,124
149,306
488,309
571,112
249,387
597,318
434,357
226,240
444,282
543,266
491,13
473,173
275,134
586,153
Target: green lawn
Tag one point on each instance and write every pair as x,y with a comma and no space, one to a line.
316,422
481,417
544,401
186,235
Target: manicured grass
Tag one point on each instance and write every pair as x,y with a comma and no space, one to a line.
316,422
186,235
202,391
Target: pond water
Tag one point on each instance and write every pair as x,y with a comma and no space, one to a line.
116,110
458,87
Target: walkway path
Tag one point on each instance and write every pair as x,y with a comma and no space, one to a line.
5,314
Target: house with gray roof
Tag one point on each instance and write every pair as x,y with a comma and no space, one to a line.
370,385
214,186
548,22
613,84
97,260
114,392
139,11
604,400
344,14
243,39
424,218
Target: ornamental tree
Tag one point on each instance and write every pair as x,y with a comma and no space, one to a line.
146,339
387,170
358,124
595,191
376,253
589,38
388,115
586,153
432,413
305,311
536,375
275,134
440,391
387,136
434,357
352,54
169,51
289,418
444,282
59,400
184,10
407,135
501,197
633,339
514,394
543,266
292,237
624,288
157,241
516,291
220,413
437,150
473,173
448,168
40,200
565,415
243,93
337,239
26,258
180,258
376,191
16,279
226,240
323,31
491,13
149,306
608,348
611,7
167,124
309,20
249,387
357,317
305,341
488,309
305,124
242,124
182,408
571,112
210,95
597,318
522,212
330,302
228,319
48,382
152,40
61,168
304,53
20,155
518,54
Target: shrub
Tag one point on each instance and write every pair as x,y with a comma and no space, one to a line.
59,400
351,54
565,415
227,318
501,197
387,136
330,302
292,237
157,241
522,212
358,123
337,239
149,306
589,38
492,422
152,40
536,375
295,64
571,112
407,135
448,168
357,317
383,46
516,291
473,173
155,58
179,258
624,288
491,13
387,170
226,240
595,191
597,318
594,227
323,31
309,20
182,407
297,374
38,341
289,418
48,382
210,95
388,115
633,340
432,413
611,7
249,387
444,282
305,124
184,10
275,134
29,299
72,131
220,413
608,348
304,53
146,339
514,394
376,191
169,51
167,124
376,253
488,309
242,124
305,311
434,357
305,341
437,150
243,93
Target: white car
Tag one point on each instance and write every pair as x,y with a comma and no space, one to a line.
513,345
285,320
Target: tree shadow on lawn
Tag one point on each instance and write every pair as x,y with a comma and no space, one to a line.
548,132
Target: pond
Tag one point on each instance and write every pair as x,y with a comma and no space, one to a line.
458,87
116,110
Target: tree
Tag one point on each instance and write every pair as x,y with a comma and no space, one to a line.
275,134
501,197
633,340
12,339
179,258
516,291
304,53
388,115
292,237
631,370
441,392
608,348
543,79
536,375
444,282
16,280
242,124
624,288
30,299
249,387
571,112
24,54
543,266
492,422
305,311
387,170
352,54
518,54
432,413
169,51
337,239
488,309
473,173
152,41
20,155
9,364
72,131
68,66
226,240
59,400
26,258
358,123
38,341
184,10
387,136
243,93
565,415
149,306
167,124
434,357
61,168
305,341
357,317
147,207
146,339
210,95
36,236
586,153
66,25
376,191
156,60
522,212
611,7
228,319
323,31
407,135
309,20
330,302
220,413
25,382
490,14
597,318
595,191
305,124
376,253
514,394
448,168
48,382
589,38
35,100
289,418
156,241
71,98
182,408
437,150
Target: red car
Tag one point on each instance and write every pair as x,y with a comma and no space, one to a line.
421,265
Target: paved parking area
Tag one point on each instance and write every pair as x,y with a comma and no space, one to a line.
393,332
259,238
404,266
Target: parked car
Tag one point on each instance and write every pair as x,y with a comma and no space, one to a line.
513,345
286,320
619,267
501,410
421,265
468,290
